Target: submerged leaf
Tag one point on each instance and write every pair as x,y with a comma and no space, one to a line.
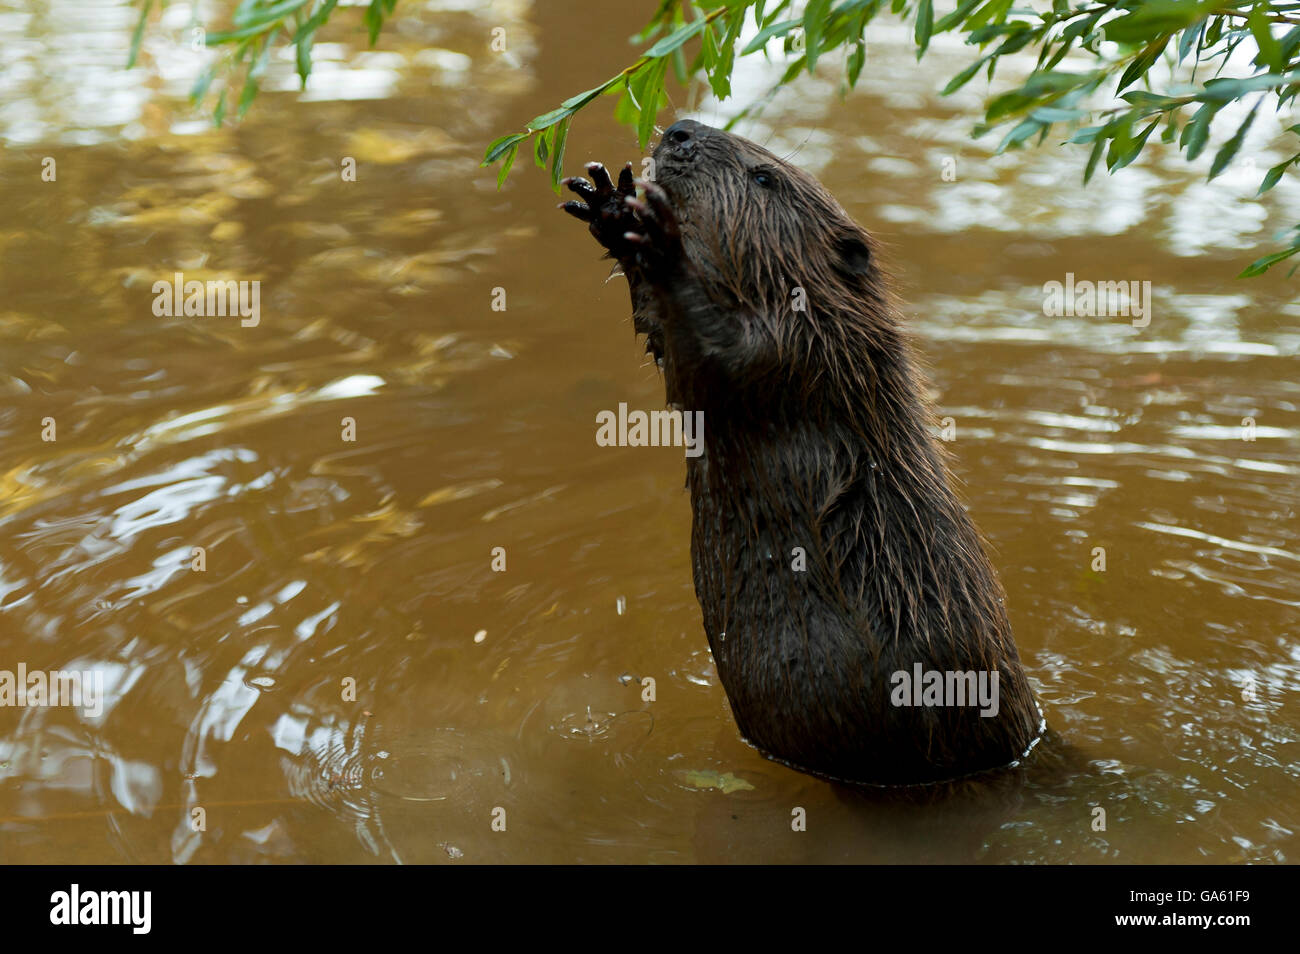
710,779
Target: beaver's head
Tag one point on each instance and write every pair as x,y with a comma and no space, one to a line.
757,225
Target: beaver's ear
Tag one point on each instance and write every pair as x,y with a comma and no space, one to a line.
853,257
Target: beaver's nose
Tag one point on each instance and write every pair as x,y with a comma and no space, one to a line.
682,136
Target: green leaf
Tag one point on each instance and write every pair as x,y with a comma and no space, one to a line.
1141,63
1189,37
857,58
708,60
216,39
259,65
1087,134
1229,148
1289,44
650,102
1020,133
957,16
1121,139
505,166
1261,265
1037,86
303,57
575,103
315,21
675,39
1142,98
639,83
678,60
728,46
1197,131
1098,146
924,26
219,114
249,16
964,77
720,74
550,119
138,35
246,94
995,11
765,34
557,153
1021,36
498,147
1273,175
1157,18
374,19
1270,50
794,68
1225,89
1171,127
1052,114
542,148
814,18
1133,147
628,109
1214,31
201,84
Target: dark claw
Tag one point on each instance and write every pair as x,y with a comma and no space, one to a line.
579,185
578,210
599,176
601,205
626,184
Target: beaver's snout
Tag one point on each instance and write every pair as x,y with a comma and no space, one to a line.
680,137
681,144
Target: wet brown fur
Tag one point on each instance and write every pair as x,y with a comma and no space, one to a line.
817,441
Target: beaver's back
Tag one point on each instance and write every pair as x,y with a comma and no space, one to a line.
822,571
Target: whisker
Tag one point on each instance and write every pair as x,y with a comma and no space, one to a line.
796,149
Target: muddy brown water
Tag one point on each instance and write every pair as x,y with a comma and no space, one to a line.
1169,677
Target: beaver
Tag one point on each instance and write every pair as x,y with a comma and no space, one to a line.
843,586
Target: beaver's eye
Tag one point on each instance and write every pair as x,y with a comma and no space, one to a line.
764,178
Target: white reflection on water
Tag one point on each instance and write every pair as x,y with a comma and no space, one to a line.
63,75
1181,322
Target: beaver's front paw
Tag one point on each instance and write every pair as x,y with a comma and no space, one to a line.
655,234
603,207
